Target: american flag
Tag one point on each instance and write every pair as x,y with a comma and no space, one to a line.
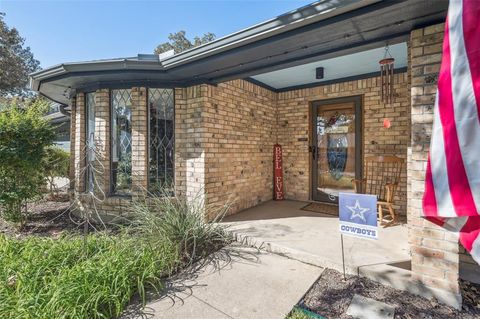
452,181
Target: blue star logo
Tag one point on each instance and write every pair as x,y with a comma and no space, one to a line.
358,211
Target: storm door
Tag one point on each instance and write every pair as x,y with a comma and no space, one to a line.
336,148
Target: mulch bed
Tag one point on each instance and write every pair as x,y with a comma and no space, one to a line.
46,218
330,297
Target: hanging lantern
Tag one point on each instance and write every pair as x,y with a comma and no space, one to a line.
386,76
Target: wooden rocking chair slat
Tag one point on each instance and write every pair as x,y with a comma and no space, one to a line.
381,178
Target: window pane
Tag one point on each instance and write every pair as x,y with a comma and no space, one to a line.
121,142
161,139
90,140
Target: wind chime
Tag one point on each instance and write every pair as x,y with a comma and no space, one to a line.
386,76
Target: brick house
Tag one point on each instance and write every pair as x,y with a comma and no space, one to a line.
206,119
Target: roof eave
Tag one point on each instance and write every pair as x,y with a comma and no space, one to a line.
311,13
36,78
326,9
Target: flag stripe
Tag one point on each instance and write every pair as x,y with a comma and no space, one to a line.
429,200
459,187
455,224
452,180
475,250
471,14
439,167
465,110
469,232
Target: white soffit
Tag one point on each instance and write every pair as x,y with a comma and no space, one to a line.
334,68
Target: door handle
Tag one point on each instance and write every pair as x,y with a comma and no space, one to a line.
313,149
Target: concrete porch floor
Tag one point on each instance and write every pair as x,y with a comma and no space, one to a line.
315,237
282,227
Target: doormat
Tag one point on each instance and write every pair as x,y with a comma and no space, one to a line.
321,208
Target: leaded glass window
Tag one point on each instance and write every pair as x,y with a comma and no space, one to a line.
90,140
161,108
121,142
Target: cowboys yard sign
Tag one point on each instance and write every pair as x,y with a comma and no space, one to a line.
358,215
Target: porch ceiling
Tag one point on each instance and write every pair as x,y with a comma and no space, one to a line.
340,67
362,29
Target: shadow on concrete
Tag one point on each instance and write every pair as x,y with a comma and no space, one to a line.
407,265
180,286
275,210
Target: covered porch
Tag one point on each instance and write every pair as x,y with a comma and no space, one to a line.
283,227
286,228
308,80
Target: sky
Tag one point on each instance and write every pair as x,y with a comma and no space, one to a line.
67,31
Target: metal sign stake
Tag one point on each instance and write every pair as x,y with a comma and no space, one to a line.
343,259
357,217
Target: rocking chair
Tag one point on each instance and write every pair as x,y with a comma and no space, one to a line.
381,177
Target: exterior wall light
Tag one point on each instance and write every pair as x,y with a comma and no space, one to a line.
319,73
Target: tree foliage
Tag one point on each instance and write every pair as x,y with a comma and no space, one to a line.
179,42
24,136
16,61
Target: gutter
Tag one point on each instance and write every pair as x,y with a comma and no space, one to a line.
131,63
61,106
62,109
36,77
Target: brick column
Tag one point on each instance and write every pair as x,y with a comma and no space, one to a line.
180,141
435,253
71,172
189,141
139,141
79,142
102,139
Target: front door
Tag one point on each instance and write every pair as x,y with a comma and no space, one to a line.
336,148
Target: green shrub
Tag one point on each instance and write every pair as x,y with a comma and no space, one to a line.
44,278
163,217
299,314
24,135
55,163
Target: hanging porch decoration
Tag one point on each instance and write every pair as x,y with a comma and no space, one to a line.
386,76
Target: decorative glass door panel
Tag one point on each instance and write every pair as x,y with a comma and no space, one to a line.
336,149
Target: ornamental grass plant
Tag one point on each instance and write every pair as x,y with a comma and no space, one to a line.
96,276
162,217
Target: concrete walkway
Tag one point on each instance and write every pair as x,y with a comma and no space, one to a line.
237,282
